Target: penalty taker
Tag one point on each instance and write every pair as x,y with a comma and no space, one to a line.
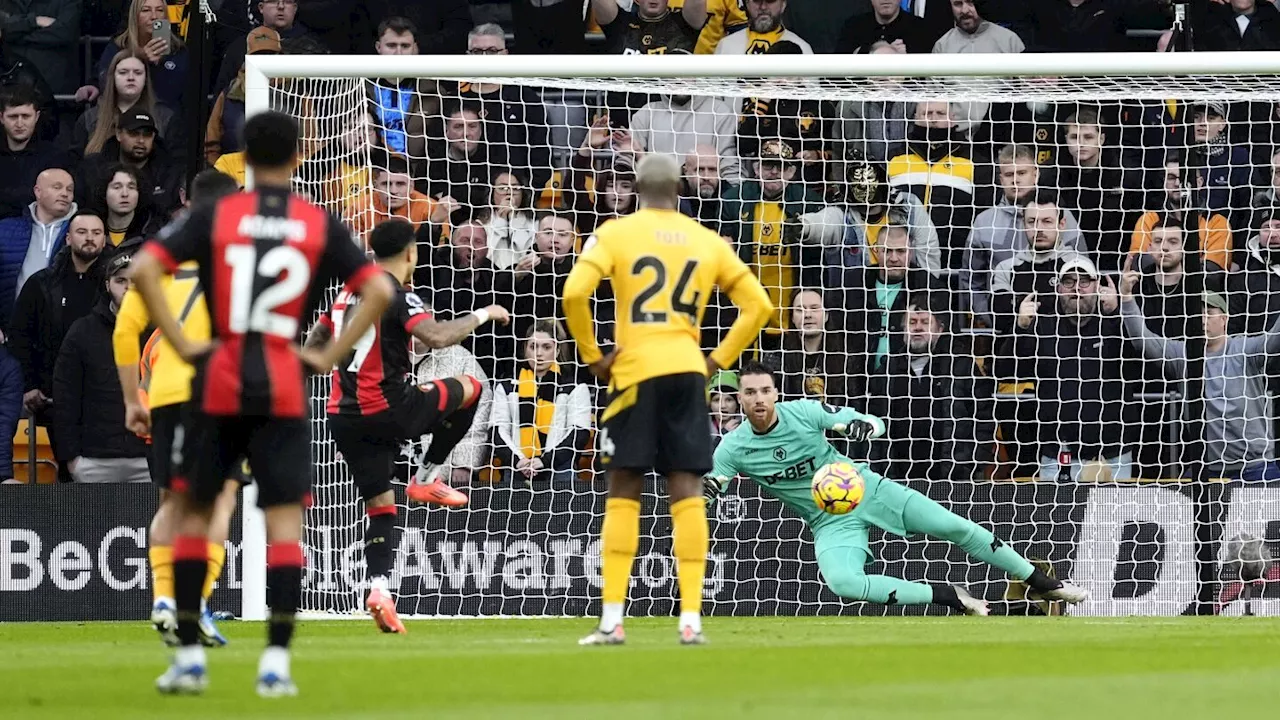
782,446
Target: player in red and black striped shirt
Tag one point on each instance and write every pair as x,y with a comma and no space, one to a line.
264,257
373,406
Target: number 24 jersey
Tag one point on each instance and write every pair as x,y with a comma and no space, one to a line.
265,258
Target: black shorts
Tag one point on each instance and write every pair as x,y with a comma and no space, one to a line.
370,444
209,449
660,424
164,420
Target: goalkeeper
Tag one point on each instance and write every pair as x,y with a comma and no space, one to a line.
782,445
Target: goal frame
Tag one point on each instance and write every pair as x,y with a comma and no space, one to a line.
261,69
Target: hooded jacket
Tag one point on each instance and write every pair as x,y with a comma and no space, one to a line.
15,239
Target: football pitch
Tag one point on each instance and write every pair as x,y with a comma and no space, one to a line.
892,668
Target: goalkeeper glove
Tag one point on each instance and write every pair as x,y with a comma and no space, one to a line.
713,488
857,431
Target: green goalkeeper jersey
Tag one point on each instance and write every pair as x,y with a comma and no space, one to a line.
784,459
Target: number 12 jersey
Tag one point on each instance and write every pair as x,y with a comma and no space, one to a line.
265,258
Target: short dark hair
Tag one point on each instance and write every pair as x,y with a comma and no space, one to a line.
453,107
1167,220
754,367
17,96
1044,196
211,185
270,139
398,25
86,212
391,237
395,164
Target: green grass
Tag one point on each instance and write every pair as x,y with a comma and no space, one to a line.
892,668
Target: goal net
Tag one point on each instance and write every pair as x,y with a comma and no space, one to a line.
946,239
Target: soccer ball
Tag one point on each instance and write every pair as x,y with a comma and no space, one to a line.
837,488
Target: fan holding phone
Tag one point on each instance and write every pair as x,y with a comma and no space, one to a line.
149,34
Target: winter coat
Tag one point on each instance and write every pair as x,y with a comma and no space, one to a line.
169,77
737,209
18,172
15,239
1216,28
998,234
49,303
866,321
10,407
875,128
1091,26
88,416
51,51
451,362
851,250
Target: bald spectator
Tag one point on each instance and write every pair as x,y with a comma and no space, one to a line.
29,241
888,23
676,124
22,155
700,197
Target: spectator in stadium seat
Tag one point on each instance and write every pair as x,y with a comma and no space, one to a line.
890,24
345,164
129,222
471,453
1093,184
726,413
11,385
1239,440
941,168
803,123
650,26
1089,25
973,34
764,29
278,15
542,416
1236,25
442,25
764,218
874,129
401,106
814,361
129,88
45,35
136,144
870,206
47,305
226,119
818,21
548,27
609,192
93,442
700,196
677,124
345,27
514,116
167,62
934,399
460,279
29,241
1083,371
1221,170
392,195
999,233
509,220
23,156
1254,289
1215,230
460,170
537,280
874,299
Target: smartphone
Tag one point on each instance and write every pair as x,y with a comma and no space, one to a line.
163,30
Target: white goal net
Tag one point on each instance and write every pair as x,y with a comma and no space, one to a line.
947,252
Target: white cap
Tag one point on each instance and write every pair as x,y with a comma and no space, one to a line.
1079,264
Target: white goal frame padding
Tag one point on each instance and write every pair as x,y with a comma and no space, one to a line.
1137,75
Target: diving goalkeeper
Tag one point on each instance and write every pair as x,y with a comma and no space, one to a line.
782,445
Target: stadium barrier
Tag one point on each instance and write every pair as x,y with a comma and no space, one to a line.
78,552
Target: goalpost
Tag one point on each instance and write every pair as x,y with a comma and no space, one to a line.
1155,547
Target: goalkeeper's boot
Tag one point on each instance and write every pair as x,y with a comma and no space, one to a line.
209,635
383,610
427,487
689,636
972,605
274,679
186,674
1067,593
164,618
616,636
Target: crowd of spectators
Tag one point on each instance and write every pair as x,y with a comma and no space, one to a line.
1005,283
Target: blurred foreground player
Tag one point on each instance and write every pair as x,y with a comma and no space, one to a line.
264,257
782,445
157,384
663,267
373,407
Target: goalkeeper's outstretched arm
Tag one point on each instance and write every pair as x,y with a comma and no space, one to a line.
844,420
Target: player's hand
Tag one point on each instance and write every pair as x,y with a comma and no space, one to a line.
1027,311
317,361
191,352
498,314
713,367
713,488
137,419
857,431
603,368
